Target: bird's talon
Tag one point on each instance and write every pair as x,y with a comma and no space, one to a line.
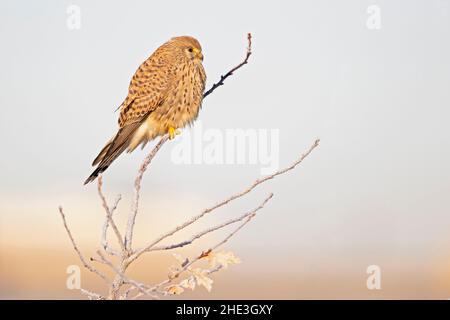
173,132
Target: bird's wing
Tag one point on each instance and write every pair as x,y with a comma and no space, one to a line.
147,91
148,88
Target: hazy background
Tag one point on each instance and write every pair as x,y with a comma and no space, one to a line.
376,191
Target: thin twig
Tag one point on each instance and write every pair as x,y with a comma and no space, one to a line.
92,295
259,181
123,277
137,188
80,255
136,254
109,215
104,238
212,229
229,73
250,217
202,255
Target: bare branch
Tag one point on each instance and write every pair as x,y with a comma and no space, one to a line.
250,217
109,215
204,253
80,255
92,295
260,181
136,254
212,229
229,73
104,238
123,277
137,188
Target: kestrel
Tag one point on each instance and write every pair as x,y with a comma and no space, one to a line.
165,94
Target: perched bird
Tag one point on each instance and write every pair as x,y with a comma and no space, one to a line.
165,94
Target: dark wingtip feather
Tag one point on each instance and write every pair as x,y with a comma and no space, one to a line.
91,178
95,174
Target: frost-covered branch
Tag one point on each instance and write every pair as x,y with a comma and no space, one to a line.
75,247
189,273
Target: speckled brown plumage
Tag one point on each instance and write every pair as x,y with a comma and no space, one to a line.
165,94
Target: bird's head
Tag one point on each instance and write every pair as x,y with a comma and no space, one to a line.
189,47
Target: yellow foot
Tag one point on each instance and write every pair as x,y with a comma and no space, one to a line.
173,132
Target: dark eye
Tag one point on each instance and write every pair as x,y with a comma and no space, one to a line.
191,50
